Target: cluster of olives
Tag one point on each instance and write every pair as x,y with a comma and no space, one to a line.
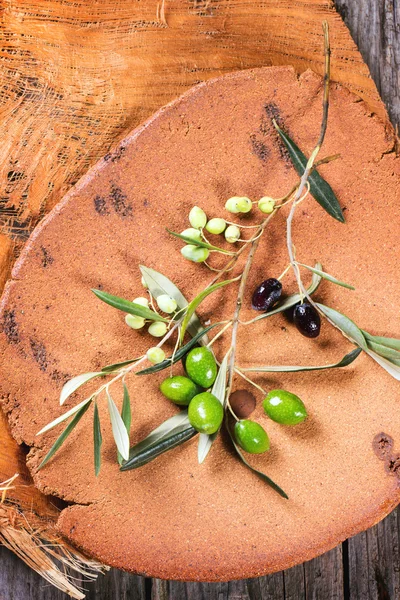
206,413
198,221
303,314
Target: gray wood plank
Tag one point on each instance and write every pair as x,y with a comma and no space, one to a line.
324,577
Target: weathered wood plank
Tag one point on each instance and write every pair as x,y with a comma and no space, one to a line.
324,576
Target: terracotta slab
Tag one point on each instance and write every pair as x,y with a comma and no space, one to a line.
174,518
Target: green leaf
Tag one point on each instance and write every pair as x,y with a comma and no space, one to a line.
383,351
160,284
327,276
117,366
262,476
196,301
65,416
219,391
97,440
320,189
120,433
178,354
173,432
73,384
391,367
61,439
129,307
385,341
345,325
293,298
126,415
346,360
192,242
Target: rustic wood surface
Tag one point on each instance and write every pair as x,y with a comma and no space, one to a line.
366,567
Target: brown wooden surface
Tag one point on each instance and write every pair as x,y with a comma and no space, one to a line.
365,567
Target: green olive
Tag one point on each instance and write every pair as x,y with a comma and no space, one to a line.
284,407
251,437
201,366
205,413
179,389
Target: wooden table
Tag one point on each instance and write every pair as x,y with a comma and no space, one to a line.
366,567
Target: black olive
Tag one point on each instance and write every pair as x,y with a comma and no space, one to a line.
307,320
266,294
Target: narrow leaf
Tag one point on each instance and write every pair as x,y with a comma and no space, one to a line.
262,476
117,366
73,384
192,242
346,360
178,354
126,416
293,298
160,284
327,276
197,301
178,422
129,307
219,390
65,416
345,325
61,439
383,351
320,189
389,366
97,440
118,428
385,341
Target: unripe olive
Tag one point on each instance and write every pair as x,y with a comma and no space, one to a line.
238,204
197,217
201,366
134,321
284,407
166,303
232,234
251,436
142,301
205,413
266,205
179,389
193,234
216,226
195,253
155,355
157,329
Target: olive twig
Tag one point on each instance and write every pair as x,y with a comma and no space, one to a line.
241,374
229,324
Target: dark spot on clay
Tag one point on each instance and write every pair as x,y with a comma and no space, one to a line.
47,258
273,112
243,403
100,205
382,445
392,465
39,354
259,148
118,200
9,327
116,155
59,376
72,529
99,286
146,202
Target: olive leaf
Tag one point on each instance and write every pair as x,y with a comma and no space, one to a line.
65,416
200,244
385,341
178,354
97,440
345,325
260,474
129,307
219,391
61,439
126,415
383,350
117,366
392,368
73,384
344,362
327,276
174,431
119,431
160,284
319,188
197,301
293,298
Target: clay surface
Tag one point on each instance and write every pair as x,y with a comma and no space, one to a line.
174,518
